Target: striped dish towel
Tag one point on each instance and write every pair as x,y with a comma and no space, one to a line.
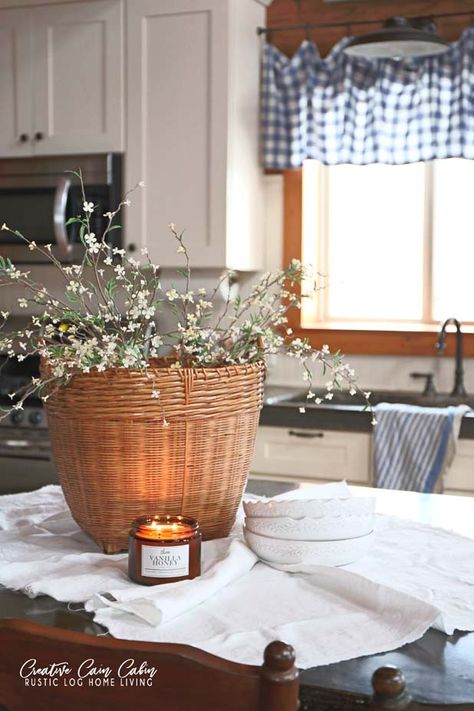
414,446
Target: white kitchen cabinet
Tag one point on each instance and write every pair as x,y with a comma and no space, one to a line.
320,455
460,477
78,69
62,86
15,83
192,130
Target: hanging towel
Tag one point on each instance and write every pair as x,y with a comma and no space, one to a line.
414,446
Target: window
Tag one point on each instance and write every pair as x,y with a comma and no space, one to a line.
395,246
394,243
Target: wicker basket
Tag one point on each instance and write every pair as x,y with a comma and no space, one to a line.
117,460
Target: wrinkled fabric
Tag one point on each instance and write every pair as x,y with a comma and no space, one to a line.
352,110
415,577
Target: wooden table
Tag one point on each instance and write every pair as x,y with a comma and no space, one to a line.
439,669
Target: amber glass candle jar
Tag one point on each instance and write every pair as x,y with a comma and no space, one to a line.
164,549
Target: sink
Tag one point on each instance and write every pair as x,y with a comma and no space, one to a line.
276,394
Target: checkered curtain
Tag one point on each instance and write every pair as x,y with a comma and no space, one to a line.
347,110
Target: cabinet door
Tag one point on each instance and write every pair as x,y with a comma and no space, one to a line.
460,476
15,83
78,77
312,454
177,126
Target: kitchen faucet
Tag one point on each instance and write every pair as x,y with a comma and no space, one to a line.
458,388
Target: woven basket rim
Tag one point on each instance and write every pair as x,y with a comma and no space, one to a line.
158,364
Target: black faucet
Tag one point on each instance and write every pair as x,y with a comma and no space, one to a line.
458,388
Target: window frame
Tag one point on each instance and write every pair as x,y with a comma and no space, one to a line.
390,339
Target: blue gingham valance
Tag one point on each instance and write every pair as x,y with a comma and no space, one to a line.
350,110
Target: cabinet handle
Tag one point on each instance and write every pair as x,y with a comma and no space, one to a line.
24,137
132,247
39,136
305,435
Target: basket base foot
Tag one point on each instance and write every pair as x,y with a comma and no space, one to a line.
111,548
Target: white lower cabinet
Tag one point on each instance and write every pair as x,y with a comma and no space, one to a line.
460,477
322,455
326,455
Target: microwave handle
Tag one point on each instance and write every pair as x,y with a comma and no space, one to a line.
59,217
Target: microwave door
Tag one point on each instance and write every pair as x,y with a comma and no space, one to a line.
59,217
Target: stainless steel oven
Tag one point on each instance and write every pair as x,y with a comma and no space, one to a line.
39,195
26,460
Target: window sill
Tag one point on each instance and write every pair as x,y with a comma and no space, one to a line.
414,340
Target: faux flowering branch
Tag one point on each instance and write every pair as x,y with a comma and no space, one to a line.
107,315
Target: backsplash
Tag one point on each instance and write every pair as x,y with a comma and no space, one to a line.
379,372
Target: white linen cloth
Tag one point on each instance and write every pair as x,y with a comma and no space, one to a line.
415,577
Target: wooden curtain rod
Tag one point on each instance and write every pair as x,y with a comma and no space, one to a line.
351,23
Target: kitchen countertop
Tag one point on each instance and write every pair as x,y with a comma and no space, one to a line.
438,668
343,413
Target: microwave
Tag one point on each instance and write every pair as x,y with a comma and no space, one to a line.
38,196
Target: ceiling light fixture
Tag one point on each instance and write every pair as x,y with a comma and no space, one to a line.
400,38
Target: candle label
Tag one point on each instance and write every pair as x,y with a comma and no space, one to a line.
165,562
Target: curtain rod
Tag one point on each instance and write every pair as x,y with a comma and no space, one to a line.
351,23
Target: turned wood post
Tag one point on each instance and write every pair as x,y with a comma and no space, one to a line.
280,678
389,690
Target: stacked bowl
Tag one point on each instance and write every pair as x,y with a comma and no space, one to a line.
297,534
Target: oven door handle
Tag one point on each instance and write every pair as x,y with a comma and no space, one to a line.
23,444
59,216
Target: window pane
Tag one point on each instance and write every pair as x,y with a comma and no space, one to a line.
453,239
375,242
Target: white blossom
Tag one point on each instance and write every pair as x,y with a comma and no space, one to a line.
93,246
109,325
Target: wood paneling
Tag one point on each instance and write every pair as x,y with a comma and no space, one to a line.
291,12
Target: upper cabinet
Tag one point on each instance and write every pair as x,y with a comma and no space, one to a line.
61,79
191,106
192,130
15,83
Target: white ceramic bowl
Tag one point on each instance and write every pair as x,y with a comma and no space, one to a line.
311,508
325,528
301,554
